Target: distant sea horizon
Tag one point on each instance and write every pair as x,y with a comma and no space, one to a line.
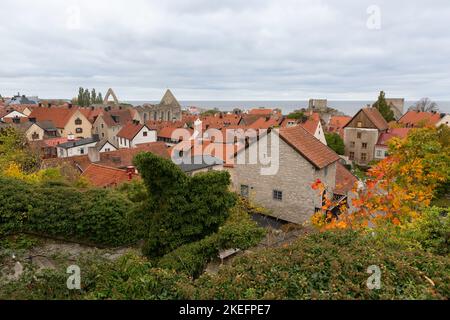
349,107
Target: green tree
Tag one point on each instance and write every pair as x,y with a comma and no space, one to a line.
99,98
93,96
181,209
297,115
384,108
335,142
14,148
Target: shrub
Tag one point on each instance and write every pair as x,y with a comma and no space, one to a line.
238,232
181,209
330,265
98,216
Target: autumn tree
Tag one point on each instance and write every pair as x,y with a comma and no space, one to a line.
382,106
399,187
15,149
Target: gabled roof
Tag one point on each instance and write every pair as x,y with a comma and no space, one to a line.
413,118
59,116
130,130
311,125
308,146
169,99
376,118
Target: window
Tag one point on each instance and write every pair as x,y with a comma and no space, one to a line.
79,130
364,145
379,153
352,144
358,135
351,156
359,124
102,126
81,150
78,121
278,195
107,149
103,135
35,136
363,156
244,190
144,133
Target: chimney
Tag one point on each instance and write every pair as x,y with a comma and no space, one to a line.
33,120
69,105
93,154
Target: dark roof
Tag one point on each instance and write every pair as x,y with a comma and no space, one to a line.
200,162
78,143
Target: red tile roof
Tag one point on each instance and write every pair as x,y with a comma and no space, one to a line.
339,121
130,130
345,180
264,123
261,111
123,158
308,146
391,133
414,118
102,176
311,125
59,116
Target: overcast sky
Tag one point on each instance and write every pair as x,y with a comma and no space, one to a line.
227,50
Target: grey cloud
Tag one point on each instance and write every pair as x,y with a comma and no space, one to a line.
203,49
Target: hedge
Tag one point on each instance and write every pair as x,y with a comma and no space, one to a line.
238,232
96,216
330,265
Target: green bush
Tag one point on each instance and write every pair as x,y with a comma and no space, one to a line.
330,265
238,232
181,209
97,216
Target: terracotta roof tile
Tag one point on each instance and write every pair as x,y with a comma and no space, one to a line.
59,116
123,158
102,176
310,125
413,118
130,130
308,146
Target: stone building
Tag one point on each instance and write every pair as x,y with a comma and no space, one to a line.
168,109
302,160
361,135
396,105
318,104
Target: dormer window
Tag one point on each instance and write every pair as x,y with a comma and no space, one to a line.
78,122
79,130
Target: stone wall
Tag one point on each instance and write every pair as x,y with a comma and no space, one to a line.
294,179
